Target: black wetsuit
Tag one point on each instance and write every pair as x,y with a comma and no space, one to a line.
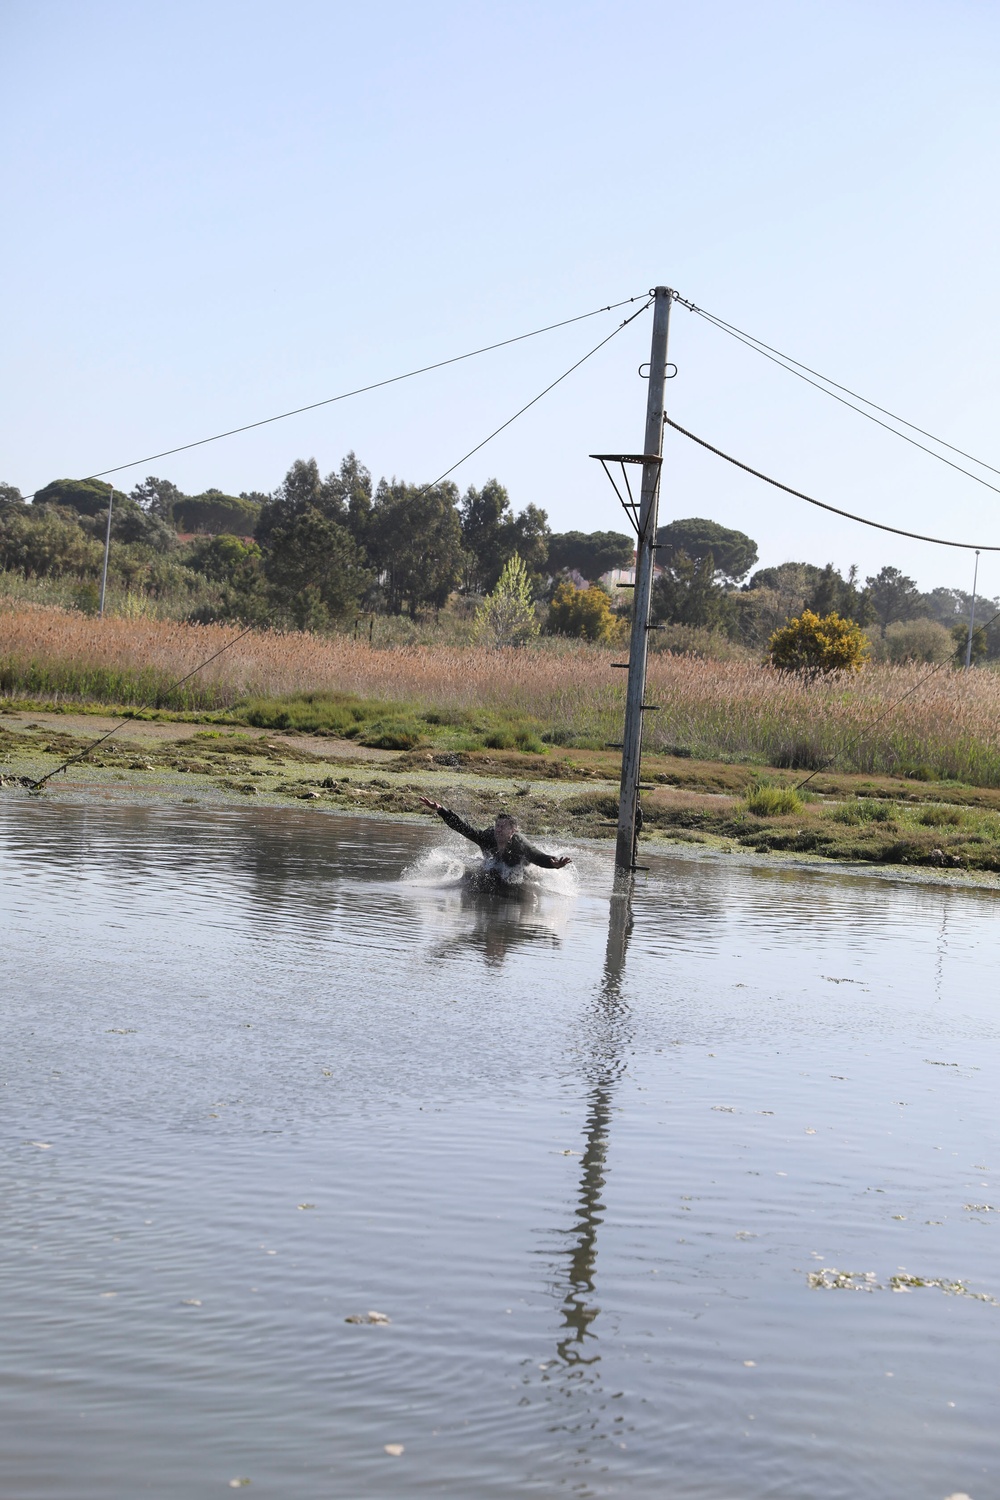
517,853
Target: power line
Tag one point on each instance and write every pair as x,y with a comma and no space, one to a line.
777,358
359,391
862,520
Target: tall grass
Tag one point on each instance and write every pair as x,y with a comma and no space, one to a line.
729,710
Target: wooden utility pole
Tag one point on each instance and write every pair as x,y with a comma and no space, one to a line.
635,705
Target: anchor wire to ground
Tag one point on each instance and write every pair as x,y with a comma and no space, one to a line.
36,786
82,755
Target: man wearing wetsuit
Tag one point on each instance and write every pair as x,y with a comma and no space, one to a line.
502,842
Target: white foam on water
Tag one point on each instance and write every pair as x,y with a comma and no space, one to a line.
449,865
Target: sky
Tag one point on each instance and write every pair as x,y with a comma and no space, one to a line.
218,211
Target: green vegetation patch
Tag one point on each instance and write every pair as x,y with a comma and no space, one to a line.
767,801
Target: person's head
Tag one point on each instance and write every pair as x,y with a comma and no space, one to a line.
504,828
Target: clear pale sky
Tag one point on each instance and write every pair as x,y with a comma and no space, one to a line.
216,211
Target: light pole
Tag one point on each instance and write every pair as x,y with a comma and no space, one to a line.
107,552
972,614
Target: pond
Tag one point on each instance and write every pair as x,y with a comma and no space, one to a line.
694,1196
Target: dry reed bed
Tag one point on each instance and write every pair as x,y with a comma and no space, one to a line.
727,710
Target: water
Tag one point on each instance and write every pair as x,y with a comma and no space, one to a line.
265,1071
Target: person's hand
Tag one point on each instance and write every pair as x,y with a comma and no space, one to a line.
565,860
429,802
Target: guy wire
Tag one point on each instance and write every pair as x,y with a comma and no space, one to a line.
759,347
360,391
81,755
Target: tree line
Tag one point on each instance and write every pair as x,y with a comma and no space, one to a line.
312,553
318,550
707,583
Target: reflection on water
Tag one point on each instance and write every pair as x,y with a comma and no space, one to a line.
466,912
606,1032
263,1071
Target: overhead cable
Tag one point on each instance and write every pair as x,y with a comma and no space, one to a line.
359,391
786,362
822,504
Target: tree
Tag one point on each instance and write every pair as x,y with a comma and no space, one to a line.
917,640
834,594
528,533
349,489
590,553
222,558
315,570
214,513
87,496
733,552
771,598
507,616
892,596
299,491
790,578
491,534
132,525
158,497
45,544
584,613
415,543
960,644
813,646
686,593
10,497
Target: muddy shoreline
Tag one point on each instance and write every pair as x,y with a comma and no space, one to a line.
170,761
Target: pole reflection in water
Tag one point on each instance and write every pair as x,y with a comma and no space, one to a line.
607,1032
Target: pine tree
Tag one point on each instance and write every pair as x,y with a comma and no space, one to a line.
507,616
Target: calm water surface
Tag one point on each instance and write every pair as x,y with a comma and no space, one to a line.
264,1071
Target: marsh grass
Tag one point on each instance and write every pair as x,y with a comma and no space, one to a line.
859,810
772,801
559,693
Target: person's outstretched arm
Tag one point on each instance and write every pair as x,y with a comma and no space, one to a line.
543,861
475,835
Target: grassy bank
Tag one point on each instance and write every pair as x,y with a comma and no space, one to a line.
559,694
872,821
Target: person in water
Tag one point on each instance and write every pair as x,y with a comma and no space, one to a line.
502,843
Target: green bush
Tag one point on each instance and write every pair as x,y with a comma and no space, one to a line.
392,734
513,737
864,810
772,801
312,713
941,817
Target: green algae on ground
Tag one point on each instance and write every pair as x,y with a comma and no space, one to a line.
856,820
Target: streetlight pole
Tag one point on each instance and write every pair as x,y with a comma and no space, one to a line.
107,553
972,614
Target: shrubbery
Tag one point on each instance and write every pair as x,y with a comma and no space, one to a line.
812,645
584,613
